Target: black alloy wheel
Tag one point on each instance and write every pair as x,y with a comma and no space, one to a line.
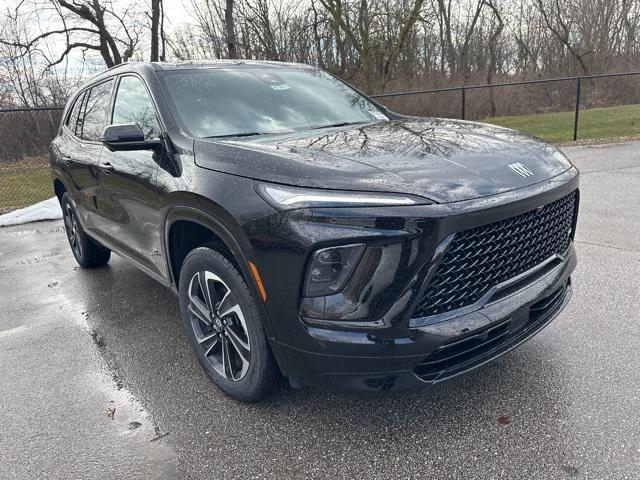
219,325
225,325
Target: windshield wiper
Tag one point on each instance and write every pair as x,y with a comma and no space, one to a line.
248,134
341,124
240,134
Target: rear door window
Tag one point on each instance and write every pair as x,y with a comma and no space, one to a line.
96,112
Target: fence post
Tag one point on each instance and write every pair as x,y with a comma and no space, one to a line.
463,102
575,121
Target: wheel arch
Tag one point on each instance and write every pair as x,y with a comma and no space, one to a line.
206,228
189,227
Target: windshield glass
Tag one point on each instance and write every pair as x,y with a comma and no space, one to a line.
221,102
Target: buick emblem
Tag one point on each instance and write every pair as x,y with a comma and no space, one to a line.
521,169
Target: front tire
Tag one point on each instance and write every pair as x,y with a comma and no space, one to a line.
87,252
224,326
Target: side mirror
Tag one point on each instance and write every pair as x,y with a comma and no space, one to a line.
127,136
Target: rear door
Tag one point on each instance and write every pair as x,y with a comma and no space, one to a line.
78,176
128,195
80,149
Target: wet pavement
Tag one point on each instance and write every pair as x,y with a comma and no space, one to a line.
74,344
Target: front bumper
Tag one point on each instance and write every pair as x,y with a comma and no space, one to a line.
433,352
374,340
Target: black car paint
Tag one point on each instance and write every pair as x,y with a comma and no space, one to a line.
443,160
132,205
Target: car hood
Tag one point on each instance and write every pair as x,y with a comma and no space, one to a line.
443,160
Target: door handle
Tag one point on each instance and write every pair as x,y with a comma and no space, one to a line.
106,167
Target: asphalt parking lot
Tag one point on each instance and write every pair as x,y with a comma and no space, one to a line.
77,346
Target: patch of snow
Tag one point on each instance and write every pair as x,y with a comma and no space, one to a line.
46,210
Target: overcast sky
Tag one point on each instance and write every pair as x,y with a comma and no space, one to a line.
174,9
176,15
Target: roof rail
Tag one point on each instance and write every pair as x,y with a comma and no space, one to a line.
109,69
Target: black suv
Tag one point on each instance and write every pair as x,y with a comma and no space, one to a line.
309,230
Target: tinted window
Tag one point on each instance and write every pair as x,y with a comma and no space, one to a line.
96,111
219,101
72,120
133,105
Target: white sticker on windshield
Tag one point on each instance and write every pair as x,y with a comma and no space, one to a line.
378,114
282,86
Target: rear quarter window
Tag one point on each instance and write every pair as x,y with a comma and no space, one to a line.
72,119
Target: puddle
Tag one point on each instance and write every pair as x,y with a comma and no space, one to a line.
79,413
126,415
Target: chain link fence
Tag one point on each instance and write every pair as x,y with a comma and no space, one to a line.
557,110
25,134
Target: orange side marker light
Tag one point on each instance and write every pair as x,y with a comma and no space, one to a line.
256,277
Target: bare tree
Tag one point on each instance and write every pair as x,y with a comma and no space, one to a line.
90,25
373,43
358,23
553,13
156,13
493,56
24,81
230,29
210,38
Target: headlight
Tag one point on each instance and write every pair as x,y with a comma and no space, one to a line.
284,197
330,269
561,158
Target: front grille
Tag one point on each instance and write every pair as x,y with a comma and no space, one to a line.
483,257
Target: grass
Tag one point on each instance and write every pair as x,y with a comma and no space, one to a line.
24,183
608,122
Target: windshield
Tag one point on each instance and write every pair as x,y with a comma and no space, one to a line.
225,102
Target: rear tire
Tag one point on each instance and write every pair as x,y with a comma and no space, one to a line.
225,326
87,252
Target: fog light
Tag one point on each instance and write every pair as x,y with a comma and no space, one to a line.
330,269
